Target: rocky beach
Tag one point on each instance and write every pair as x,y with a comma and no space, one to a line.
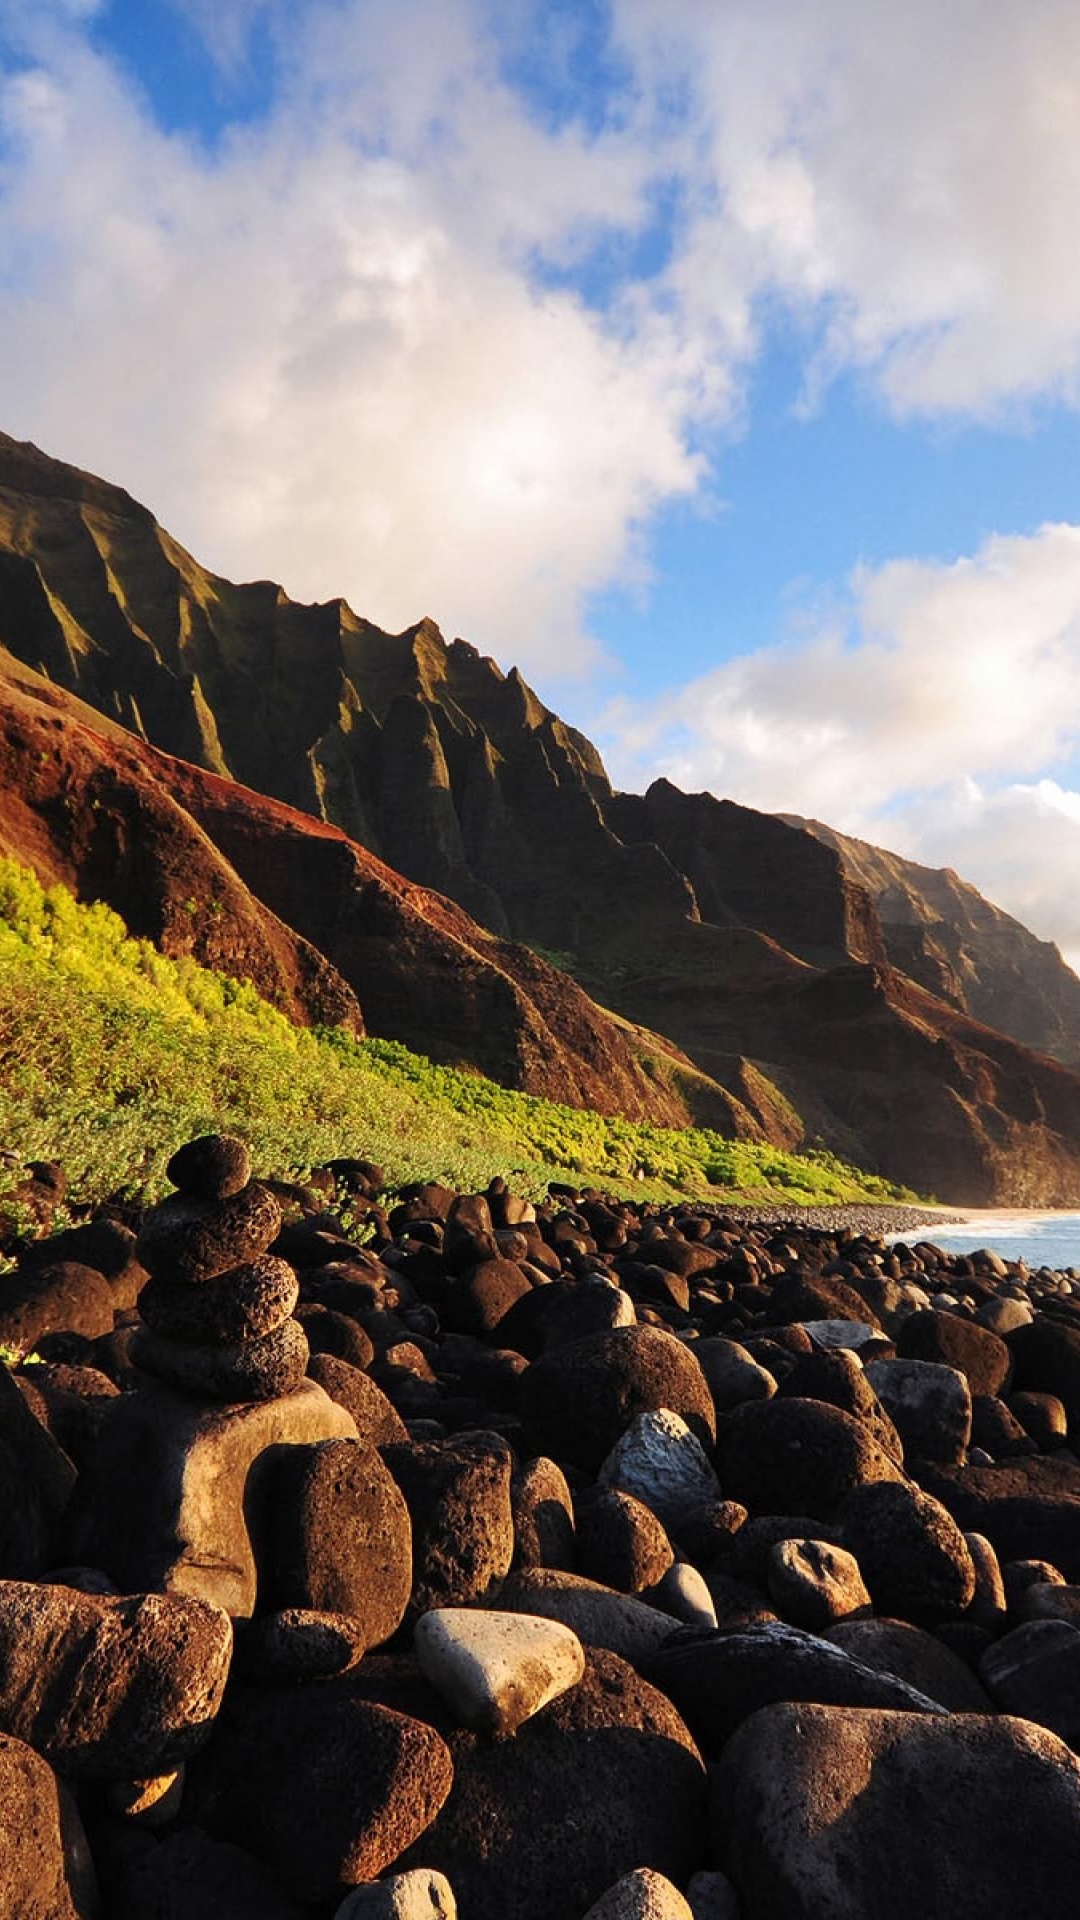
434,1553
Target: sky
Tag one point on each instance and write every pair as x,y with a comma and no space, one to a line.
717,362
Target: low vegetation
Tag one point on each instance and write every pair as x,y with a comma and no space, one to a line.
110,1054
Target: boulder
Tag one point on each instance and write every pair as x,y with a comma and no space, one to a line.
189,1876
620,1541
603,1780
544,1522
110,1688
1029,1509
173,1487
579,1399
495,1670
782,1455
641,1895
376,1419
1035,1672
563,1312
213,1167
263,1369
189,1239
45,1868
600,1618
298,1644
814,1584
458,1495
733,1375
719,1680
420,1895
837,1377
1047,1360
664,1465
326,1789
912,1654
913,1556
929,1404
36,1483
974,1351
338,1538
63,1297
232,1309
820,1810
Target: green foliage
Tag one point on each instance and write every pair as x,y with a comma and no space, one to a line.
111,1054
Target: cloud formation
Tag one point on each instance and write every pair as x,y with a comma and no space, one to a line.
397,337
919,714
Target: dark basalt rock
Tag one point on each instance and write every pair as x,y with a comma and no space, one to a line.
263,1369
604,1779
327,1790
377,1419
235,1308
45,1869
458,1495
778,1455
188,1240
213,1167
912,1554
578,1400
966,1815
339,1537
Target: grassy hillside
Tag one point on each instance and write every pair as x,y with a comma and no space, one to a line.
110,1055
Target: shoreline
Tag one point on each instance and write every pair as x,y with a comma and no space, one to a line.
870,1217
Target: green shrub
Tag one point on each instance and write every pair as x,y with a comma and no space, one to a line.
111,1054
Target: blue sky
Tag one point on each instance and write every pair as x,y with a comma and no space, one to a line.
718,365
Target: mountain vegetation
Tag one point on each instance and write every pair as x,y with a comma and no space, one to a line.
110,1053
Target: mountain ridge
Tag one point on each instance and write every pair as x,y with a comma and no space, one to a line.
754,944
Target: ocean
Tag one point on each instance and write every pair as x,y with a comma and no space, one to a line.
1039,1239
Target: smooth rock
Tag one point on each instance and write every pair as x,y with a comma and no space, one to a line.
420,1895
189,1876
684,1594
929,1405
641,1895
338,1537
664,1465
823,1811
718,1680
496,1670
110,1688
814,1584
711,1896
614,1621
167,1498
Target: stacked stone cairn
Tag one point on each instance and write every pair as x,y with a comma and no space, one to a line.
217,1310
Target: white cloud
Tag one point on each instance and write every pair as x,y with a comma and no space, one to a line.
323,352
320,359
908,175
920,715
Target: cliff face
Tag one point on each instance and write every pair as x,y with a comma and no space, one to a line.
821,993
203,866
945,935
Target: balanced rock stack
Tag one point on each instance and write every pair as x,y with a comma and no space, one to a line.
217,1311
